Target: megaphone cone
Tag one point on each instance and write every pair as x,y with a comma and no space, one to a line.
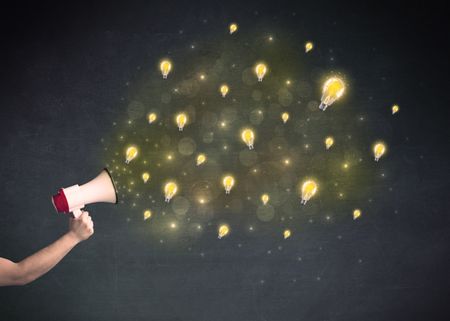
74,198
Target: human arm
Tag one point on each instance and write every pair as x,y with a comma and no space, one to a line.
34,266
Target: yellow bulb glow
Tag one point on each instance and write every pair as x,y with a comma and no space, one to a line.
356,214
265,198
165,67
147,214
131,154
309,189
329,141
224,90
228,183
233,28
145,177
181,120
378,150
332,90
248,136
260,71
286,234
201,158
285,117
309,46
170,189
395,109
223,230
151,117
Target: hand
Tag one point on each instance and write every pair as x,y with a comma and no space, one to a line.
82,227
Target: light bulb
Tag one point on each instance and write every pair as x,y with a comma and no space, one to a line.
145,177
309,46
285,117
248,136
395,109
309,189
332,90
356,213
286,234
228,183
201,158
265,198
147,214
224,90
166,67
170,189
260,71
130,154
233,28
329,141
223,231
151,117
378,150
181,120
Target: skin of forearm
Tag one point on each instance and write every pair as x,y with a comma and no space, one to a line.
44,260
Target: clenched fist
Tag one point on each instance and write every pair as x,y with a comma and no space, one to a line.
82,227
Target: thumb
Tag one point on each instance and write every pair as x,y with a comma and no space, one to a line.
83,215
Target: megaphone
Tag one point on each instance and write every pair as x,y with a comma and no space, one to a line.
74,198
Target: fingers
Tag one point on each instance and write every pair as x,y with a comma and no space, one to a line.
85,217
83,226
89,224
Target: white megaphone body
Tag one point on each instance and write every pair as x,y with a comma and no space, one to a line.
72,199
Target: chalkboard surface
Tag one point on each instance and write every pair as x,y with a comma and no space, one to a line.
68,74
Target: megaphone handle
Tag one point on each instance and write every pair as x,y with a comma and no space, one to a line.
76,212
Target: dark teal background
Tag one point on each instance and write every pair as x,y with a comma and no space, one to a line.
63,73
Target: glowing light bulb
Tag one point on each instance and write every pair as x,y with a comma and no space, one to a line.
170,189
151,117
130,154
224,90
233,28
309,189
147,214
309,46
248,136
145,177
181,120
223,231
378,150
166,67
332,90
265,198
201,158
228,183
260,71
286,234
329,141
285,117
395,109
356,213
